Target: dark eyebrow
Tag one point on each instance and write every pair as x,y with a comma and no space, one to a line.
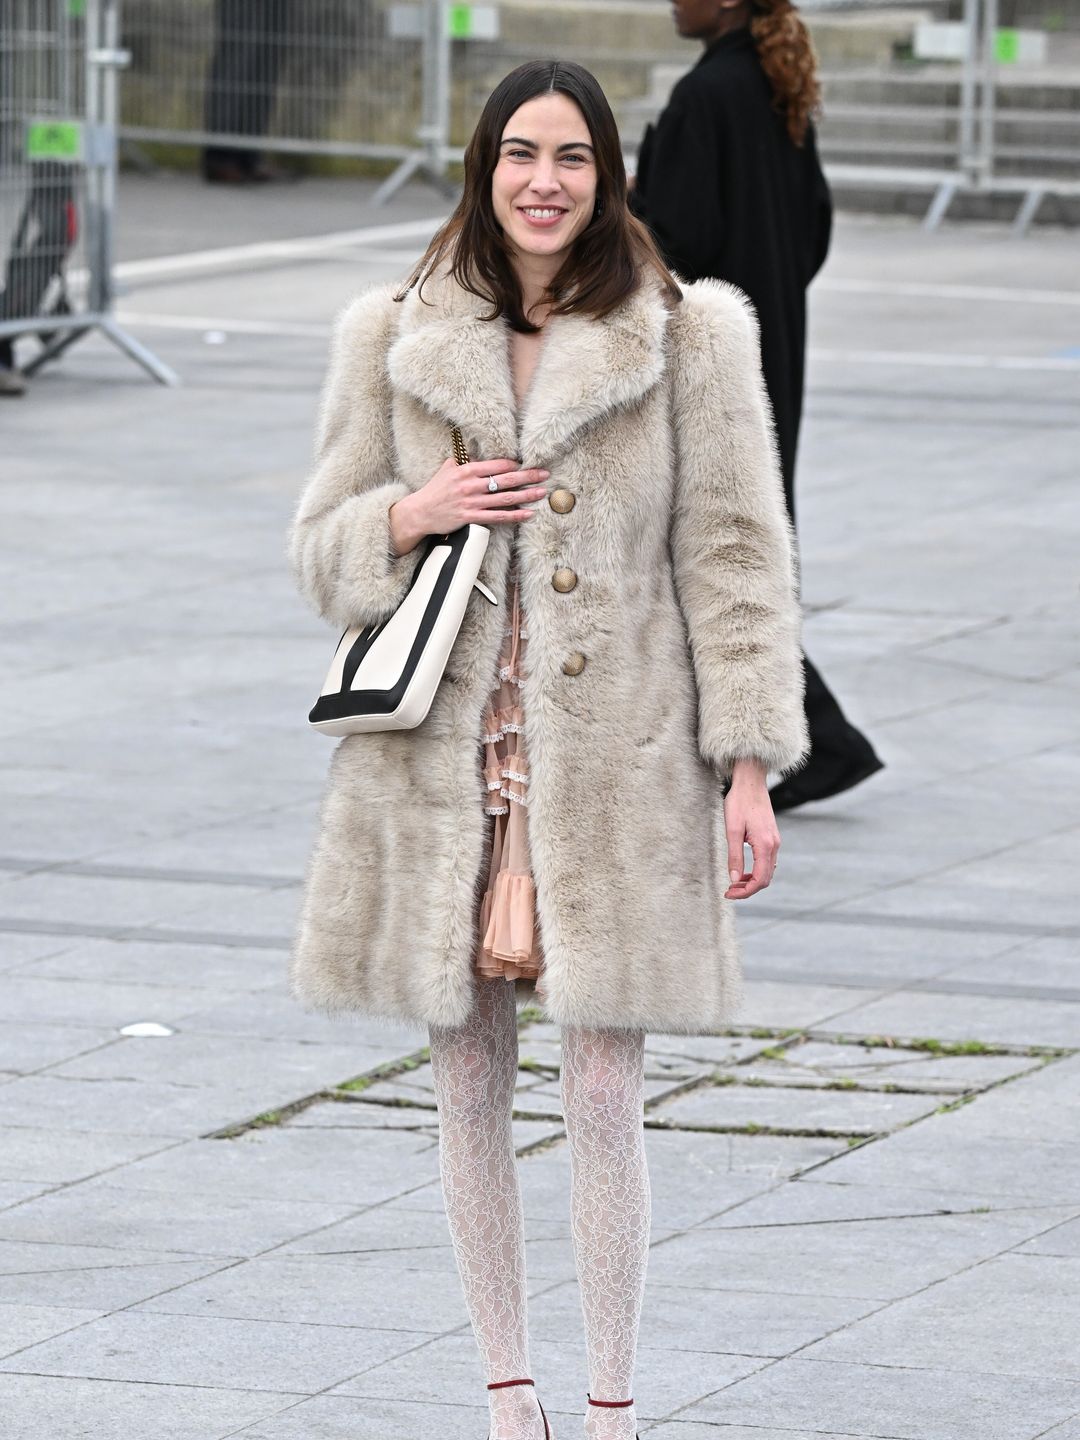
532,145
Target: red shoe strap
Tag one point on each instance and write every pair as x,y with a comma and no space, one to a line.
611,1404
502,1384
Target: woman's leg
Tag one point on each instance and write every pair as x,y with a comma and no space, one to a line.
474,1068
603,1094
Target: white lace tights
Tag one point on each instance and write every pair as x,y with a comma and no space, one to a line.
474,1068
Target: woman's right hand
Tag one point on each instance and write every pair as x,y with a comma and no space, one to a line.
458,495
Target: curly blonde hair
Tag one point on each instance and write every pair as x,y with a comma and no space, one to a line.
789,60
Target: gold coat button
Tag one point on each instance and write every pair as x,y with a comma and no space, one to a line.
564,581
562,501
573,664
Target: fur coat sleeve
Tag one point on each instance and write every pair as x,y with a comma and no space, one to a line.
340,545
731,541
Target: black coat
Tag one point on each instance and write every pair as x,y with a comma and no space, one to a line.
728,194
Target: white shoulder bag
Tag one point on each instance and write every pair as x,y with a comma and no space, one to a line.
384,676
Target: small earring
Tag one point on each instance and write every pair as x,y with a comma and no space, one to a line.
599,210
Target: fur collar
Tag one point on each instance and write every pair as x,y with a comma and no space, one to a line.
458,365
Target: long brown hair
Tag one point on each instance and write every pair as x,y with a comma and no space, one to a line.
607,259
788,58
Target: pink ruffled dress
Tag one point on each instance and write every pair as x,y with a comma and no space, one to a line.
509,947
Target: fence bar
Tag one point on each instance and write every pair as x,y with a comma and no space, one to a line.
969,81
989,91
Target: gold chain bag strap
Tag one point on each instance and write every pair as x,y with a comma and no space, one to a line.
461,454
384,676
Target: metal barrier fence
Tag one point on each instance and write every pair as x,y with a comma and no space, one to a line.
404,80
58,102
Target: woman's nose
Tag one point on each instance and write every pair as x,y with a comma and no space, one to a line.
544,182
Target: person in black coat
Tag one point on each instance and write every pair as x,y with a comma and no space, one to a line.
730,184
251,37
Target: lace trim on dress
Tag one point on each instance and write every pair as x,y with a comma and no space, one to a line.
509,933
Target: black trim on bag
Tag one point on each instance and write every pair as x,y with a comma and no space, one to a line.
345,702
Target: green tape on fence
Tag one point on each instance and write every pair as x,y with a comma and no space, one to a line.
76,9
54,140
1007,47
459,21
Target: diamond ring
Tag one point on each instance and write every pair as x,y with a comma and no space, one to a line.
493,485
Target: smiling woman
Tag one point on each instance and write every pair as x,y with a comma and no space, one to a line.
555,830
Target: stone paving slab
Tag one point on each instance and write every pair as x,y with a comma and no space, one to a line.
271,1014
321,1291
226,1354
821,1198
1070,1430
285,1068
212,967
795,1005
339,1417
679,1430
26,1048
43,1153
22,1326
14,1192
779,1107
883,1259
868,951
823,1061
910,1404
235,912
30,1000
72,1409
1049,962
97,1213
133,1107
92,1277
278,1163
116,901
18,950
1020,1170
961,1322
1046,1108
1061,1240
964,1017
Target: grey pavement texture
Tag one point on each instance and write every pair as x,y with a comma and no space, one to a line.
866,1197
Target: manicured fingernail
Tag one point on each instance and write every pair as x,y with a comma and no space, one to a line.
734,876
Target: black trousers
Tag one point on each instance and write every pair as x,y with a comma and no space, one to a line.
251,36
833,738
835,743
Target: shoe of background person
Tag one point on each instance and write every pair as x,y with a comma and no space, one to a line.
262,173
11,381
822,778
225,172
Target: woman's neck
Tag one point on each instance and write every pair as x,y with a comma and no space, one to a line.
535,274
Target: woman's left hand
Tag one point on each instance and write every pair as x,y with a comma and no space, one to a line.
749,819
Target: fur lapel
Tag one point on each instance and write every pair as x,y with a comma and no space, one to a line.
458,365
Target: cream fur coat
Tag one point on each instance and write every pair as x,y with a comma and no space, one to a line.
685,611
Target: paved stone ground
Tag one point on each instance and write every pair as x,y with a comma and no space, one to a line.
867,1196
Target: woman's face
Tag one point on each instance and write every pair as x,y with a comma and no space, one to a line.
543,189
